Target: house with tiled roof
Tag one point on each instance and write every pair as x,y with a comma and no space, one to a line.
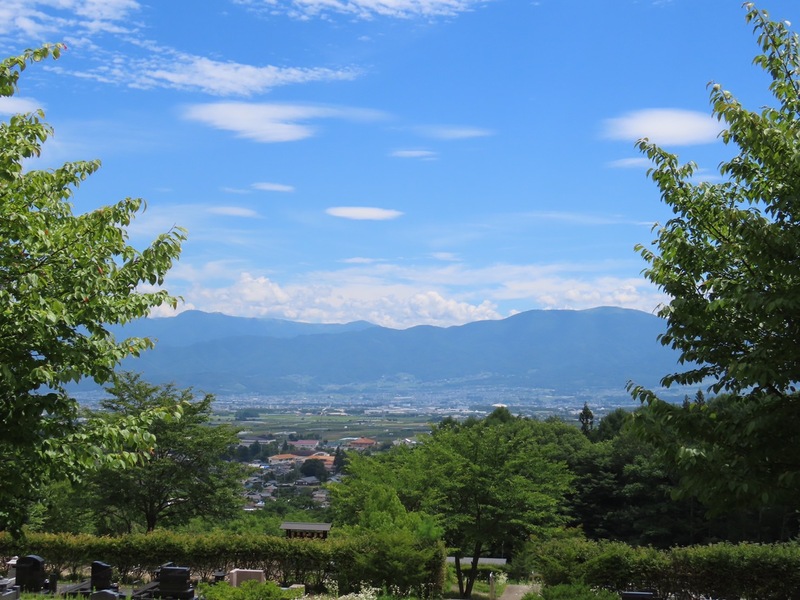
325,458
361,443
305,444
285,459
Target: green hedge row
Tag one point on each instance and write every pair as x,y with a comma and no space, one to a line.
762,571
383,560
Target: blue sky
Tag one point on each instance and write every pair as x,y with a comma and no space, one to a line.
399,161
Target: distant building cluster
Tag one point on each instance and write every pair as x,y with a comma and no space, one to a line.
274,475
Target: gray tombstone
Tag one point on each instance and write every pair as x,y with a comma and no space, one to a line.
9,590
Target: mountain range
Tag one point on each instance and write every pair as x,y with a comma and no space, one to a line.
564,350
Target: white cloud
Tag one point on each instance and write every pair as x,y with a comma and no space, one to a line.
630,163
443,132
232,211
366,9
664,126
577,218
79,22
202,221
12,105
403,296
272,187
363,213
360,260
445,256
37,19
229,78
103,10
413,154
390,306
556,291
190,72
270,123
424,154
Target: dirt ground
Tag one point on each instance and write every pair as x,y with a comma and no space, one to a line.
516,592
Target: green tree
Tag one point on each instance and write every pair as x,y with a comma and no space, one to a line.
489,483
340,459
314,467
728,259
491,486
729,262
611,425
185,476
63,279
61,510
255,450
586,418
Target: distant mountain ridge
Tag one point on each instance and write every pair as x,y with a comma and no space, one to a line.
565,350
194,326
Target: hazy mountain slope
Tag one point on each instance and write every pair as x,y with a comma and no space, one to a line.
566,350
194,326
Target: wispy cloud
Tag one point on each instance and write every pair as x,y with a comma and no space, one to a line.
664,126
232,211
154,66
630,163
366,9
38,19
363,213
265,186
446,132
12,105
445,256
576,218
422,154
360,260
169,68
270,123
229,78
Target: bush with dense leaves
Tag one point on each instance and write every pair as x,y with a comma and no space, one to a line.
572,591
248,590
764,571
390,561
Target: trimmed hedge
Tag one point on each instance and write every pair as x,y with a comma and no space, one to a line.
750,571
399,562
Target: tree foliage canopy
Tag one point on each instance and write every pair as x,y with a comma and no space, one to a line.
186,474
63,279
489,484
730,262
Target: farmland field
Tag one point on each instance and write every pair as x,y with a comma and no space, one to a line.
329,427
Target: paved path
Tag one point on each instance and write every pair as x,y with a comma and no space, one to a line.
516,592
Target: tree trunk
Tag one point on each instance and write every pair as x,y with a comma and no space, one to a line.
151,518
473,571
459,576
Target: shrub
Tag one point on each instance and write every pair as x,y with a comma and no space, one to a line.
383,560
248,590
562,560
